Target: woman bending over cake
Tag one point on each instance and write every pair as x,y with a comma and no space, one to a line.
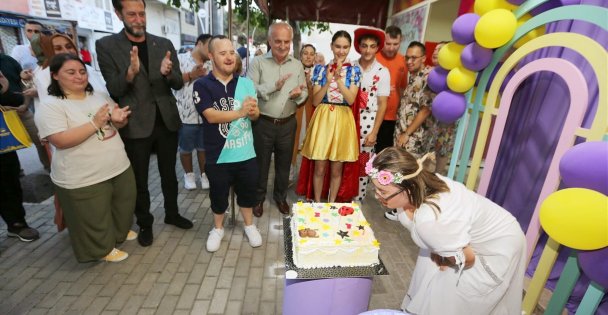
472,251
331,138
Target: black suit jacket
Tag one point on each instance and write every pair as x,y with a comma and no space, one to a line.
147,90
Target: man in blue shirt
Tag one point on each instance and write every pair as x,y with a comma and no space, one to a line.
228,104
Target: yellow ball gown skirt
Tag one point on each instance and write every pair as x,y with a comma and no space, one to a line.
331,135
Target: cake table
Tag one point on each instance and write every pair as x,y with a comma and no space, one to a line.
320,291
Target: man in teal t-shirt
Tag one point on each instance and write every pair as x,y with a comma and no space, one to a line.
228,105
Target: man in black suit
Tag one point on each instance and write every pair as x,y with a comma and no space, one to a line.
140,70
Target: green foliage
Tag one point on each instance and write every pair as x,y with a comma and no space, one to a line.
257,19
309,27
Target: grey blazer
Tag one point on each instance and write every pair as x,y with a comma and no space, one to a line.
147,89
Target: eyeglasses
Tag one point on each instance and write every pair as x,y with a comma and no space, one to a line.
389,197
412,57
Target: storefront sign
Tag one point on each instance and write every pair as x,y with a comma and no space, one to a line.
11,21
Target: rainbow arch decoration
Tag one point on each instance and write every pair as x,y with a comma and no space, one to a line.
473,132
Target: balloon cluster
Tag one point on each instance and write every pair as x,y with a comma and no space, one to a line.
577,216
474,35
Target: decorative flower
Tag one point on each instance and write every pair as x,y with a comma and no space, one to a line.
369,166
385,177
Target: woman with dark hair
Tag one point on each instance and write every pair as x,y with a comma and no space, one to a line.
90,169
331,137
472,251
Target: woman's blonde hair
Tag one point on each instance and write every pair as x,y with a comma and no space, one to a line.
421,188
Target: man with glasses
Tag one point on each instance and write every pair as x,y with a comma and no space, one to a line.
415,124
23,53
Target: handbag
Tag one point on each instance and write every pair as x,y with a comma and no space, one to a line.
13,135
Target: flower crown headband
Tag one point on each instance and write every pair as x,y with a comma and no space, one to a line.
385,177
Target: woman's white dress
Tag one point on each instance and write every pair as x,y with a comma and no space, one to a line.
494,284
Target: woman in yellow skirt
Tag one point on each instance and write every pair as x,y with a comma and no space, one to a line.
331,137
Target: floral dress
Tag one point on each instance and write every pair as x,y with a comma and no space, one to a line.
416,95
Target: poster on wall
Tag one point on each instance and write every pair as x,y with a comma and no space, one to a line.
400,5
412,23
52,8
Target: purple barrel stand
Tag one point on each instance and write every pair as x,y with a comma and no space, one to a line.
335,296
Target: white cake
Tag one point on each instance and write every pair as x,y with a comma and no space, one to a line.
331,235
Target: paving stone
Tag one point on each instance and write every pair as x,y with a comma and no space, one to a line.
233,308
186,299
178,283
167,304
219,301
155,295
206,288
120,298
225,278
200,307
132,305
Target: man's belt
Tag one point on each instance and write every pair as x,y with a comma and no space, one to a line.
277,121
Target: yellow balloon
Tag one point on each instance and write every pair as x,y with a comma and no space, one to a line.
449,55
539,31
482,7
461,79
495,28
577,218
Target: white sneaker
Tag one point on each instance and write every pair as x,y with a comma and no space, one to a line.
214,240
391,215
189,181
255,239
204,181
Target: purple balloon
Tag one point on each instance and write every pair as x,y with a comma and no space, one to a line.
437,79
516,2
475,57
594,264
585,165
448,106
463,29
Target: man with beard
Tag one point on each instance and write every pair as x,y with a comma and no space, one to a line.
390,57
140,70
307,57
375,89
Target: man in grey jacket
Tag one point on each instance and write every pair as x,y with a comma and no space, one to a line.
140,70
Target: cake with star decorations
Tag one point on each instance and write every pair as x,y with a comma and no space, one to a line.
332,235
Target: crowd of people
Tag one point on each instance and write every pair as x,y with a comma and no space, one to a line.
103,130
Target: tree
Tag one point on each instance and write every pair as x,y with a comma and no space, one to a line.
258,21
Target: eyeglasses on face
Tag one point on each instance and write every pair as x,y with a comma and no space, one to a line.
412,57
379,194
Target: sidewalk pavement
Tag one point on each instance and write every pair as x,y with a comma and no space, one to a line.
176,275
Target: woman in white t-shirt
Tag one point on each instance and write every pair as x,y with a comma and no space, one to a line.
90,169
472,251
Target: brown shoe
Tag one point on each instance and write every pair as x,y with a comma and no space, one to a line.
283,206
259,209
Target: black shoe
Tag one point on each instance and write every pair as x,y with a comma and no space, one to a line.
145,236
23,232
179,221
258,209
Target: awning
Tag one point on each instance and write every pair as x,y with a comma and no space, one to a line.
361,12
